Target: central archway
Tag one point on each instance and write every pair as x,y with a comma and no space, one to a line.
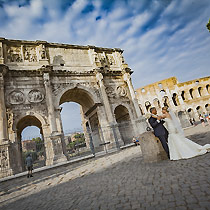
89,114
80,96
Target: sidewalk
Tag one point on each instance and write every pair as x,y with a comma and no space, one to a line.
72,161
192,130
198,129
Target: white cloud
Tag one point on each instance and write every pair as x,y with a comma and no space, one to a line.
176,40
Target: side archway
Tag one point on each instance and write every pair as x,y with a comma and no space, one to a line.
35,147
124,123
192,93
207,106
191,113
165,100
175,99
199,110
208,88
156,103
183,119
201,91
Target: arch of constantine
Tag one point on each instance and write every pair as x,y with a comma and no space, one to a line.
187,99
36,77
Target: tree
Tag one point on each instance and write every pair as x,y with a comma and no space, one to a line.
39,144
208,25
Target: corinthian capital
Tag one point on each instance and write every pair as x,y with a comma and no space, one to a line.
99,76
126,77
46,78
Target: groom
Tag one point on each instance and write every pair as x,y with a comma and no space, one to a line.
159,130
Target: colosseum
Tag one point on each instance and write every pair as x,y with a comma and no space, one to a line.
186,99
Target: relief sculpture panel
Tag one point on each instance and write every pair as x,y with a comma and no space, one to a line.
1,54
110,92
10,118
30,54
111,59
121,91
35,96
16,97
42,52
14,54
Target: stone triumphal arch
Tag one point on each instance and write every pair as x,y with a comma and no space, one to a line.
36,77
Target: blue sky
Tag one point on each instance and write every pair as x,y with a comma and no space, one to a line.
161,38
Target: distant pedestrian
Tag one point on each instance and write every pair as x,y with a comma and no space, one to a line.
29,164
136,141
208,118
193,119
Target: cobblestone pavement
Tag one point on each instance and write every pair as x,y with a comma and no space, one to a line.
117,181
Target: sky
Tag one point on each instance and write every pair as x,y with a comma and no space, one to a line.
160,38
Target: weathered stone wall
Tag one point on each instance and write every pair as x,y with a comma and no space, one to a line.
36,77
187,99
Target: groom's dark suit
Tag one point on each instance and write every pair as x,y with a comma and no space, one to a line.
160,132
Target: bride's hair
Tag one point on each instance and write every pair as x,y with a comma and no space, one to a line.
165,108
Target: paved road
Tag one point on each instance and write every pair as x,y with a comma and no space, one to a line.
118,181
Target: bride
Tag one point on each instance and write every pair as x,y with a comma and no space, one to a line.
179,146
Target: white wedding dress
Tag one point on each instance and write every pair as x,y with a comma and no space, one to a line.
181,147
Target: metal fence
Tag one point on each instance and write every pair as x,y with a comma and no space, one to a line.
94,141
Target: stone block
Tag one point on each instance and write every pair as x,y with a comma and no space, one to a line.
152,150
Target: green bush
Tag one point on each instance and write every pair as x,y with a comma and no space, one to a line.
39,144
33,155
208,25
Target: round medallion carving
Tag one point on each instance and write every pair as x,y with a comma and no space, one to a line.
35,96
16,97
121,91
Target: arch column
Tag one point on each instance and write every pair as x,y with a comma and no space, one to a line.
187,95
141,102
86,128
54,142
205,92
49,102
107,107
107,129
3,117
196,93
181,101
127,79
5,145
111,130
159,98
140,121
60,130
54,148
170,101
